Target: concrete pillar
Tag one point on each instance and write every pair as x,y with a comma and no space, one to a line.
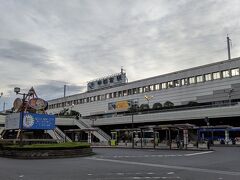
89,137
226,136
185,138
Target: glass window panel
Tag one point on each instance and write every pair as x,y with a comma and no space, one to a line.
199,79
216,75
184,81
134,90
176,83
156,87
140,90
164,85
170,84
208,77
235,72
151,88
191,80
119,93
226,74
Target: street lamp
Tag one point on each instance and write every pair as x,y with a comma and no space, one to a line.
30,92
133,109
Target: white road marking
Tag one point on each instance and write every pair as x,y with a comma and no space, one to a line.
170,167
158,155
198,153
170,173
21,176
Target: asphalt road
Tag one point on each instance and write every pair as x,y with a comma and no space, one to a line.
224,163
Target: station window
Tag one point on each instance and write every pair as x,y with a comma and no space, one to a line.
88,99
129,91
151,88
114,94
134,90
176,83
99,97
235,72
107,96
110,95
84,100
191,80
208,77
156,87
145,88
184,81
92,99
140,89
103,97
119,93
170,84
199,78
226,74
125,93
164,85
216,75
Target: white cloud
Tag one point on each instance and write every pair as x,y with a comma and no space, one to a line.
46,42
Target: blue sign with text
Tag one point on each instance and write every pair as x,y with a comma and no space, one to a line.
37,121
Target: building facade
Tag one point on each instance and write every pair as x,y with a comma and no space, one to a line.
216,83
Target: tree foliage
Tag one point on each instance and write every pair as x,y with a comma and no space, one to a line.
168,104
157,106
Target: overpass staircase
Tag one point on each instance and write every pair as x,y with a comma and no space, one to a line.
100,134
58,135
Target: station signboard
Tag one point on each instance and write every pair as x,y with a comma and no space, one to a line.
31,121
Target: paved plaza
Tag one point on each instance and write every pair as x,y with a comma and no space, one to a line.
110,163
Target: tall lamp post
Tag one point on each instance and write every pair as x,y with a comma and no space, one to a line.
25,95
133,109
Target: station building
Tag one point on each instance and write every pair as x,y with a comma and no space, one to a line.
205,93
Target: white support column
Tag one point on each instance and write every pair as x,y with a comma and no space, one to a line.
89,137
226,136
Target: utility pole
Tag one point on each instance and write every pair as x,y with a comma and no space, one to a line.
4,105
64,93
228,46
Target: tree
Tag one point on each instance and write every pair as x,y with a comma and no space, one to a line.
168,104
133,108
144,107
157,106
192,103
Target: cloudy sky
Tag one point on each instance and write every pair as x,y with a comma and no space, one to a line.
49,43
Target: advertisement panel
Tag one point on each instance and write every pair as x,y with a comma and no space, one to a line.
38,121
122,105
12,121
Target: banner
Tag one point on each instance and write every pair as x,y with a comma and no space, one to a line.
38,121
31,121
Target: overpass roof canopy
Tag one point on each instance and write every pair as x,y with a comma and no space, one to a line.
80,130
